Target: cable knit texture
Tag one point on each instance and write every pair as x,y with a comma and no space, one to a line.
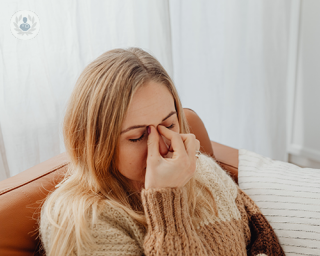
239,229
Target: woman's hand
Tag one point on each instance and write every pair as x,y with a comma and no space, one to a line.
170,172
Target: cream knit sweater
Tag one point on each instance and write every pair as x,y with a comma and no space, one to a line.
239,229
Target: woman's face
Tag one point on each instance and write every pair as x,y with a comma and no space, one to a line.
152,104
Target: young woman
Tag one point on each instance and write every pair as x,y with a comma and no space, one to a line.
137,183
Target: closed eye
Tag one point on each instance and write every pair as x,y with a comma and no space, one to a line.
135,140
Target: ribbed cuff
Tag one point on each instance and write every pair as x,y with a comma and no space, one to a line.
166,209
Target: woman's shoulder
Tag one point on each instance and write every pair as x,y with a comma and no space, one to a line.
115,218
112,229
209,172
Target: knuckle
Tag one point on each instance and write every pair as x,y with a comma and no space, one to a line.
191,136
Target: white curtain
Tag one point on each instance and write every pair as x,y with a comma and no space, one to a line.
230,65
227,58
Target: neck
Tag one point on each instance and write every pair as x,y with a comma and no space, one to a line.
137,185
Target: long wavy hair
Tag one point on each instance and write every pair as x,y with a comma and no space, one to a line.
91,130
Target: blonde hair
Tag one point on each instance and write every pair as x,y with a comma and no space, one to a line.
91,129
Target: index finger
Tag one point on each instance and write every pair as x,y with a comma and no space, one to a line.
176,141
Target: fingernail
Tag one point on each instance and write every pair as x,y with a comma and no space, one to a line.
149,129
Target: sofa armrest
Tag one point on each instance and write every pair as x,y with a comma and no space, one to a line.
227,158
197,127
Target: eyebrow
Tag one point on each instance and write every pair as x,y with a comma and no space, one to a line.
140,126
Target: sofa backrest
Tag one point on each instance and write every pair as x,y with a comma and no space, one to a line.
21,197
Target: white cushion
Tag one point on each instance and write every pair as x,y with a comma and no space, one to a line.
288,196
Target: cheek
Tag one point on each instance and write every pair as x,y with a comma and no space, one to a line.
132,160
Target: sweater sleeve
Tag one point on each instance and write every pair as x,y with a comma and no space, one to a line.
260,237
111,234
170,229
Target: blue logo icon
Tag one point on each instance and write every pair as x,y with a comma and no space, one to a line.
25,26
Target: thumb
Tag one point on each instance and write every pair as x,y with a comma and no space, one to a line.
153,142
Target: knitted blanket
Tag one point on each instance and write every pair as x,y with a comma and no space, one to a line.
239,229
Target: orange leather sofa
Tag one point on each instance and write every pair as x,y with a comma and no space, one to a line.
22,195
